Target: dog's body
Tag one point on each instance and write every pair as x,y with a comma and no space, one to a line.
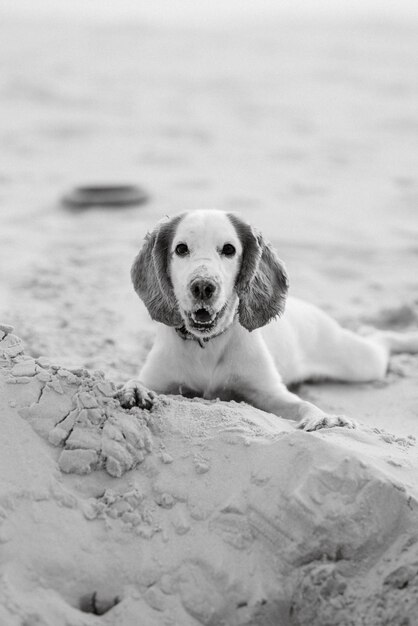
216,288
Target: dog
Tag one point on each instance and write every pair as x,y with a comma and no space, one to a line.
228,331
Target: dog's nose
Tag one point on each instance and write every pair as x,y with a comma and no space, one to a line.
203,289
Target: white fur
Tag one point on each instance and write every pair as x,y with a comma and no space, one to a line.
256,366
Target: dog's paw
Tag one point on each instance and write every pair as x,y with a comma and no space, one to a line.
134,393
322,420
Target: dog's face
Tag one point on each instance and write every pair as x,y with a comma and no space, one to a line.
200,268
205,258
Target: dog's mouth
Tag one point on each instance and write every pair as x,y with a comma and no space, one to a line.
204,319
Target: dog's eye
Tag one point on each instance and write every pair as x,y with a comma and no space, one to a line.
228,250
181,249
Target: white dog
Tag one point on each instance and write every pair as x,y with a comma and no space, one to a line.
219,292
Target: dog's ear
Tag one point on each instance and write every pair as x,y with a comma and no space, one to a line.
262,281
150,274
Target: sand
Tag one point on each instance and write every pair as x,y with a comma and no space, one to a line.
194,512
203,513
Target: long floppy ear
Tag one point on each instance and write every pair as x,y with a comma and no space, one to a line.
150,274
262,281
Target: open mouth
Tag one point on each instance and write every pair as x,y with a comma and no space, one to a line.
204,319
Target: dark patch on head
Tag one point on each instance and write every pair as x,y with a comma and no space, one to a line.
262,281
150,274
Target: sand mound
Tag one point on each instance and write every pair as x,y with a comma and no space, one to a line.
76,411
195,512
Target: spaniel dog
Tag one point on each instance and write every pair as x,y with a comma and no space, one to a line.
226,329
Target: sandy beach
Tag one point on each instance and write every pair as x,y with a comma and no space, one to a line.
206,513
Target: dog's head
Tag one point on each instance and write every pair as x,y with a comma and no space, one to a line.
198,269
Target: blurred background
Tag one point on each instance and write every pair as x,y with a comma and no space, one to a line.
301,115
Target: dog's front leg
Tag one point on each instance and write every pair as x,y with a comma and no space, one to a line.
288,405
311,417
134,393
156,376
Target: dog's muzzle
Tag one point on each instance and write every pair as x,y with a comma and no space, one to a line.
204,319
204,291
